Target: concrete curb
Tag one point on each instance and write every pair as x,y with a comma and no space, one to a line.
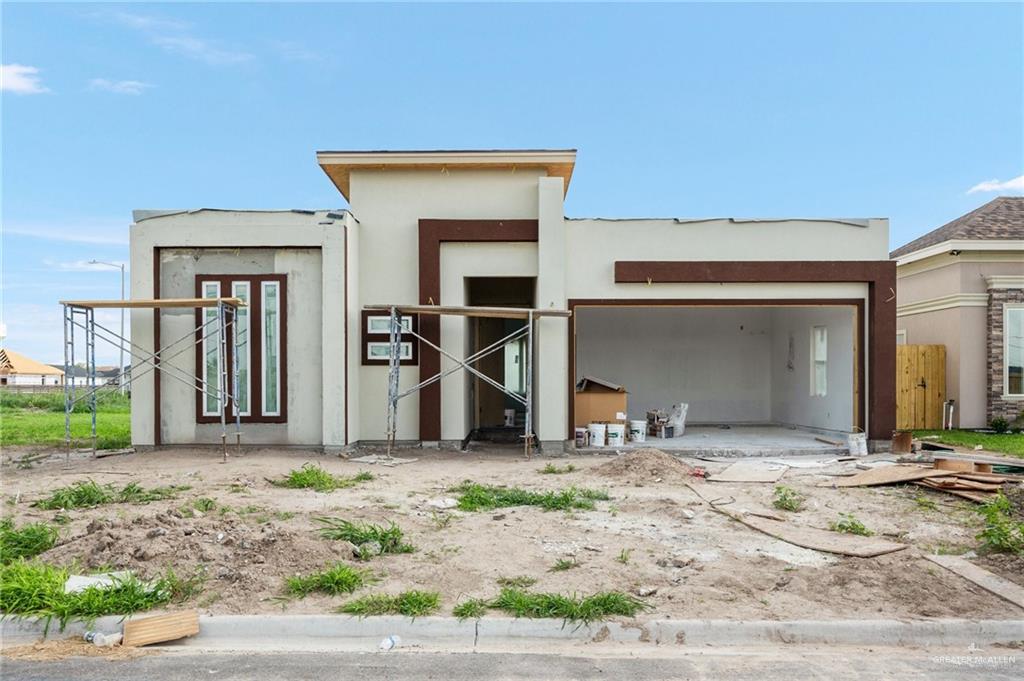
312,632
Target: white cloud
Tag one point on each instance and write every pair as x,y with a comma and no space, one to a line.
145,22
120,87
1014,185
21,79
84,232
199,49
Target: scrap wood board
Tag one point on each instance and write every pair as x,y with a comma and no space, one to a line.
807,537
973,495
886,475
750,471
159,628
988,581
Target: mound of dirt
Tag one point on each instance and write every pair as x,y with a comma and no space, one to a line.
646,465
241,559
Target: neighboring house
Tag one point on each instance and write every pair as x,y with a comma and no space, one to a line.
962,286
17,369
778,321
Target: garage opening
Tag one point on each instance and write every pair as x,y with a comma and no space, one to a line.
753,376
493,415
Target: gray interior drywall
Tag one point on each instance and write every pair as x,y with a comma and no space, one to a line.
715,359
792,402
178,268
731,364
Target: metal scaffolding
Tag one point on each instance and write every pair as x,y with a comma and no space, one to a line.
396,331
81,314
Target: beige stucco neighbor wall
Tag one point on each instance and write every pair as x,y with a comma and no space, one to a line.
287,241
943,300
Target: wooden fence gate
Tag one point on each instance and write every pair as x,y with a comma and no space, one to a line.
920,386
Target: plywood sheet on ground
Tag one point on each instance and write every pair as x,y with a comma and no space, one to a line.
886,475
992,583
750,471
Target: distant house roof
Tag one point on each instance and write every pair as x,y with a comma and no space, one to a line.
999,219
12,362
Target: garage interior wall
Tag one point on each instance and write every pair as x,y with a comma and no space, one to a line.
730,364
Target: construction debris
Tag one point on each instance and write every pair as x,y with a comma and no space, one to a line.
992,583
160,628
886,475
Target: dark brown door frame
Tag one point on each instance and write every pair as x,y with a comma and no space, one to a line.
879,275
433,233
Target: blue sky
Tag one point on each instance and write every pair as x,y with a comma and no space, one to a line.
681,110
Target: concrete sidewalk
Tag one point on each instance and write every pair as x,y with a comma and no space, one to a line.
339,632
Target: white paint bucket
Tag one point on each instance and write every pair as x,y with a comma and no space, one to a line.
858,444
581,437
510,418
616,434
638,431
596,432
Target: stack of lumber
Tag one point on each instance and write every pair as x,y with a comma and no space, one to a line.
967,479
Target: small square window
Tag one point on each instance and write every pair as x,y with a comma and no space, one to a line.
380,350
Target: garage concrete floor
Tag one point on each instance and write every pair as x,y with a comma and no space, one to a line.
740,440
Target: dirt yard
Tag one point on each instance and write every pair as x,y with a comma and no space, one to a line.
654,537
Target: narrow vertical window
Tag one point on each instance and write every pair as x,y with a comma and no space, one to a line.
211,352
819,361
240,289
1013,350
271,349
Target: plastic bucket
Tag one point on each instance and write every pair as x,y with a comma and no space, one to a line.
858,444
616,434
638,431
581,437
596,432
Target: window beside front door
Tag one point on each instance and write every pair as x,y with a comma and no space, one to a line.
259,333
819,361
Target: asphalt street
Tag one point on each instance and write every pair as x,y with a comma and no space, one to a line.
768,665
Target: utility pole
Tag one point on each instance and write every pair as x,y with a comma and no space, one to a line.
120,361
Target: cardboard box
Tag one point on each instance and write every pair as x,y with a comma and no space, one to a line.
599,401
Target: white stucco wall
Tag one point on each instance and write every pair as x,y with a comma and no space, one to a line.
388,206
315,322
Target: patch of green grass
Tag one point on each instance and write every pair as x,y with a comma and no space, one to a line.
334,580
34,589
89,494
563,564
924,503
624,555
787,499
311,476
408,603
441,520
25,541
204,504
108,402
366,535
1005,443
519,582
477,497
847,524
46,429
1002,533
572,608
473,608
552,469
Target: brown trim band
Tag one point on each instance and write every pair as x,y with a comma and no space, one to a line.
879,275
433,233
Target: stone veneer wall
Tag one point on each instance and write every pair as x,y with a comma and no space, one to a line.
999,406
